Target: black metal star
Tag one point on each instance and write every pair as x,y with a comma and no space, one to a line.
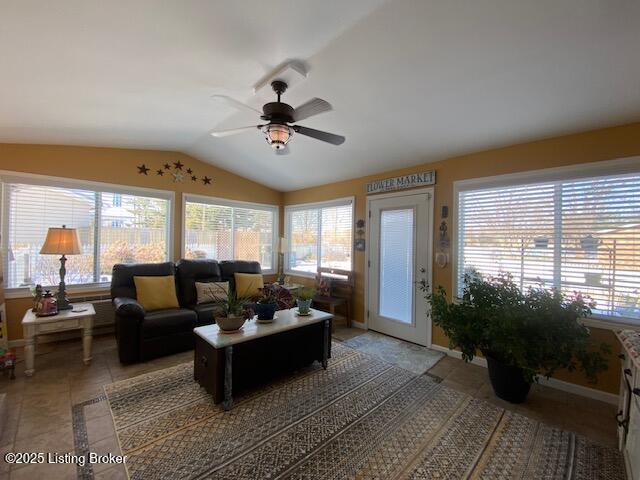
142,169
189,171
160,172
194,178
167,166
206,180
178,165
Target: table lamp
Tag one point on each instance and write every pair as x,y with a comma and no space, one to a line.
61,241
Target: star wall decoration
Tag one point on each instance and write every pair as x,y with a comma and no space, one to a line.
177,172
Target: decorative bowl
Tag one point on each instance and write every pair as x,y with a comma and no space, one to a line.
231,323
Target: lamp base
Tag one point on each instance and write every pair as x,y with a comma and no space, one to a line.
63,302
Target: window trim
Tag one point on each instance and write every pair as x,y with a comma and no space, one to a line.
8,176
337,202
225,202
619,166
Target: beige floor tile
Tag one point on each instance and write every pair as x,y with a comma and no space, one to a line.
100,428
113,473
103,447
45,471
461,387
4,466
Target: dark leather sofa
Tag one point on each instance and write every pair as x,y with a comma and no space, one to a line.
145,335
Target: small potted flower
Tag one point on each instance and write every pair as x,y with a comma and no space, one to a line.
266,305
304,298
232,311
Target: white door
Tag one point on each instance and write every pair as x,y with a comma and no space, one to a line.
400,237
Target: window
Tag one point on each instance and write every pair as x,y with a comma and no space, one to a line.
224,230
573,234
319,235
113,227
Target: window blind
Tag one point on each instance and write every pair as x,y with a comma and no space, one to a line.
576,235
112,228
228,232
320,236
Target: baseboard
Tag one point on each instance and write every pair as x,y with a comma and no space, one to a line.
359,325
550,382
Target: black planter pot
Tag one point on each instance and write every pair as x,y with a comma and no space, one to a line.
508,382
265,311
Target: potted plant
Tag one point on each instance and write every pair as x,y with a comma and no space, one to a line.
304,298
266,305
232,311
523,335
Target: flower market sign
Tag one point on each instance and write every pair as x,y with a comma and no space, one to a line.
403,182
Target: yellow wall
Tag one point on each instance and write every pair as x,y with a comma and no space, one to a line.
597,145
118,166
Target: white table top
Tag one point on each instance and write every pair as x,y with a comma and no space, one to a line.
286,320
87,310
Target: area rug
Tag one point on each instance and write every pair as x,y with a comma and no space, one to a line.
412,357
362,418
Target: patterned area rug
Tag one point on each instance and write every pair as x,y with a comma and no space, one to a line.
361,418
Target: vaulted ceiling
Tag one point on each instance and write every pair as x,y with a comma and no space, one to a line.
411,81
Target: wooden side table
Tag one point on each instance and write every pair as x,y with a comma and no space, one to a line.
80,318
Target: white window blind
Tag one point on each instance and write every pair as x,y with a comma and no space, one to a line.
575,235
229,231
320,236
112,228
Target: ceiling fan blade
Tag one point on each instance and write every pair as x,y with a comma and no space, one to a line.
235,103
319,135
283,151
313,107
233,131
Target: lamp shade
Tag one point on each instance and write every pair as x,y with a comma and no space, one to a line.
61,241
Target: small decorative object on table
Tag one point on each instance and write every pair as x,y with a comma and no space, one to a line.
8,361
37,295
304,298
47,305
233,311
266,306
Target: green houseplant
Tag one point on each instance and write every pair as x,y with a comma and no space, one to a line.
232,310
522,335
266,305
304,298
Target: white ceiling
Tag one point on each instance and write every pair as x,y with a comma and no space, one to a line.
411,81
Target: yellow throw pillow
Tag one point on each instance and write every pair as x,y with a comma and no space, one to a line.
156,293
248,284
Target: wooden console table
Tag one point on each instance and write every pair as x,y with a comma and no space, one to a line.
80,318
225,362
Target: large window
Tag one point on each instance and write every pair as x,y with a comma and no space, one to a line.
319,235
224,230
578,235
113,225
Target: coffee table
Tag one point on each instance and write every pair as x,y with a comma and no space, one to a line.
224,362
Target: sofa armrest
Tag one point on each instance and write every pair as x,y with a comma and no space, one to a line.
128,307
129,316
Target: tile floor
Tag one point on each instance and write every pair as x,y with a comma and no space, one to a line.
39,410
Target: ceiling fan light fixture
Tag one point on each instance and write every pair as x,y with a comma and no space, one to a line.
277,135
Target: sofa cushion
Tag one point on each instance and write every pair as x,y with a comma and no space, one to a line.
188,272
248,285
122,284
206,313
156,293
208,292
229,267
164,323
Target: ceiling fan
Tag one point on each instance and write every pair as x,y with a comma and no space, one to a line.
279,115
